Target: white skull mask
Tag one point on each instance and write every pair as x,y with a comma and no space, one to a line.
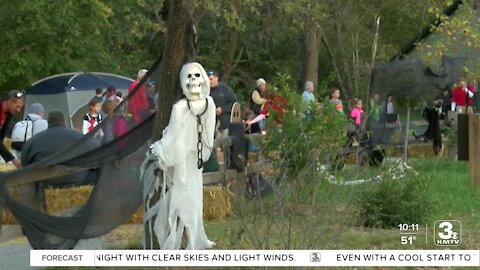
194,81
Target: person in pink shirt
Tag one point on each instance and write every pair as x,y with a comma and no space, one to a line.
357,112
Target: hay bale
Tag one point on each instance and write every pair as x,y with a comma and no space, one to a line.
137,217
7,167
216,205
216,202
8,218
351,159
62,199
8,143
252,158
421,150
58,200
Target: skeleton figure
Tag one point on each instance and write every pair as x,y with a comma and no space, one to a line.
187,141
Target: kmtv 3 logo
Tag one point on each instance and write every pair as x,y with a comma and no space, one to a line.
315,257
448,233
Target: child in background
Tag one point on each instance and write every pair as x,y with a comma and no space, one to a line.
92,119
108,108
116,124
357,112
335,100
276,105
248,115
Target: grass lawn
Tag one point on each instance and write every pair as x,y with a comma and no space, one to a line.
338,227
450,191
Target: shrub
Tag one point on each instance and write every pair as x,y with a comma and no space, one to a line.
390,202
301,142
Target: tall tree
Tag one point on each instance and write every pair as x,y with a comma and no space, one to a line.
312,49
179,42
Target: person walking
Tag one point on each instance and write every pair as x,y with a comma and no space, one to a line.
258,99
336,101
152,98
99,95
116,124
111,94
307,96
138,102
375,107
224,98
357,112
92,119
462,97
33,124
9,106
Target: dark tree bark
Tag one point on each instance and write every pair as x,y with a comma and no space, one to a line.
232,45
344,56
229,59
300,63
312,50
331,56
178,50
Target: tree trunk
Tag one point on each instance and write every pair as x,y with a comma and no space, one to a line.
301,58
178,49
356,66
229,58
331,56
312,49
232,45
344,58
374,55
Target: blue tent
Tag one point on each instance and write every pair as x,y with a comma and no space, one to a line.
71,92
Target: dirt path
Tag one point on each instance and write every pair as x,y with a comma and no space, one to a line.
15,249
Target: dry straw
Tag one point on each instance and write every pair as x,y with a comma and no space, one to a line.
216,203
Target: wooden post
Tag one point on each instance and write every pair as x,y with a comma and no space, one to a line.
405,142
463,137
474,148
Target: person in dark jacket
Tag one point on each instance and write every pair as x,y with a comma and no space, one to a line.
55,138
152,101
9,106
224,98
46,144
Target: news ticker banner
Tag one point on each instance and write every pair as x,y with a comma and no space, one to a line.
259,258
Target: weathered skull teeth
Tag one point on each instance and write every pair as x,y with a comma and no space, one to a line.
192,85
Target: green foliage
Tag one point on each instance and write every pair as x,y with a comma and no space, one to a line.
42,38
246,39
300,143
390,202
323,88
49,37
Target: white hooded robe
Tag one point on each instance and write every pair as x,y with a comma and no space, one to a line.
181,206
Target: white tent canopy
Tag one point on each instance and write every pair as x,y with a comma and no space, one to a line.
71,92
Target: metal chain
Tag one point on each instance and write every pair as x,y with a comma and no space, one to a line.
199,143
200,131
